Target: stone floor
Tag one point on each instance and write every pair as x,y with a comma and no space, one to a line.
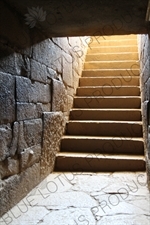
85,199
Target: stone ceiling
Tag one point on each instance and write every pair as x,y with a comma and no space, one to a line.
79,17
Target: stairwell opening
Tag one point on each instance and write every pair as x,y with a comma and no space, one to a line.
42,95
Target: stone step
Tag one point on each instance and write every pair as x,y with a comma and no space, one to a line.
132,72
106,114
110,81
122,42
111,64
112,56
102,145
113,49
104,128
98,39
107,102
98,163
108,91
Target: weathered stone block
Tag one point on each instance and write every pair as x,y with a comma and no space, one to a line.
70,102
14,143
75,81
21,138
5,140
32,92
16,187
33,131
54,125
67,69
29,156
145,118
59,96
42,73
48,53
31,110
62,43
30,134
7,98
26,111
9,167
145,71
43,108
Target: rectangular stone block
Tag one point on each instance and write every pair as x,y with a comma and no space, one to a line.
5,141
32,92
67,69
48,53
29,156
62,43
53,129
31,110
26,111
7,98
59,96
42,73
33,131
145,71
29,134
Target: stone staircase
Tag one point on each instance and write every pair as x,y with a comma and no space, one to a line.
104,133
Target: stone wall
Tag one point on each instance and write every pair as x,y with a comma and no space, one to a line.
37,85
144,55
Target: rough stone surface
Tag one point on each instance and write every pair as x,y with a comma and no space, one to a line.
14,143
144,52
16,187
59,99
9,167
67,61
31,110
53,129
7,98
5,140
32,92
36,73
48,54
29,156
41,73
88,199
33,132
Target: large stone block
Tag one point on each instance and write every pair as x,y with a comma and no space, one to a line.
26,111
67,61
30,133
5,141
31,110
59,96
42,73
62,43
145,71
53,129
32,92
48,53
7,98
16,187
9,167
29,156
14,143
43,108
33,131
